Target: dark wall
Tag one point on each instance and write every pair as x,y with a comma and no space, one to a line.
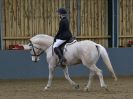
18,65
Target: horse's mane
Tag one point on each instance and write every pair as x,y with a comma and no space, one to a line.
40,37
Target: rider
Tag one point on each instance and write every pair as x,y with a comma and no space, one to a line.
62,35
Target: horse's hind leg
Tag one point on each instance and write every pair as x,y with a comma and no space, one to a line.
89,81
96,70
69,79
99,74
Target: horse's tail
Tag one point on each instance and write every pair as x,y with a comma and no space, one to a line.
106,59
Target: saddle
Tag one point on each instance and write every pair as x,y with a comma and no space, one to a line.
65,44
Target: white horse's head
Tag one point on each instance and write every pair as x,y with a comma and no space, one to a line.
38,44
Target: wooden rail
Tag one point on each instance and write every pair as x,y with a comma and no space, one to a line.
126,22
78,37
26,18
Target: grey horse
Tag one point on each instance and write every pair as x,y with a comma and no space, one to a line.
86,52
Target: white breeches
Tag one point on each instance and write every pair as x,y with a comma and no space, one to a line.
58,42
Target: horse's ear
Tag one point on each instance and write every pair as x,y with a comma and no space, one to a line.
27,47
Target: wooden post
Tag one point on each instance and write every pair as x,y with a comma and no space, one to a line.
113,22
1,22
78,17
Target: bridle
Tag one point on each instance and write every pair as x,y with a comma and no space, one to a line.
33,48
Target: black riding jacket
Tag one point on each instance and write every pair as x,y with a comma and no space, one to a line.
64,31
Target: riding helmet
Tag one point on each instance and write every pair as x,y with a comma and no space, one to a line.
62,11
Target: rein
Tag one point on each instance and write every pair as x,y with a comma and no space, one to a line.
33,48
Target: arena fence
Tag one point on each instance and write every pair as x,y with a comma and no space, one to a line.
126,22
22,19
26,18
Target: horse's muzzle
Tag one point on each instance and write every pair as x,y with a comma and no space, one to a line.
35,61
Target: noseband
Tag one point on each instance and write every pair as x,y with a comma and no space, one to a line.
33,48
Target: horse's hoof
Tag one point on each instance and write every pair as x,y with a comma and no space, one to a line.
46,88
77,86
115,79
86,89
105,88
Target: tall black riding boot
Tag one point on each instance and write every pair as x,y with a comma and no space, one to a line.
62,60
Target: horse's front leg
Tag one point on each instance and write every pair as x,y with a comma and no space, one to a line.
51,75
69,79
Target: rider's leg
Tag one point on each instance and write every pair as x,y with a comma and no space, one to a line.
58,51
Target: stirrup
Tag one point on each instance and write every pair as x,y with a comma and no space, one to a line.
62,62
